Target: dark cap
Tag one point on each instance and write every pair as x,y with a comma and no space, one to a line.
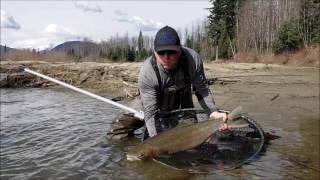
167,39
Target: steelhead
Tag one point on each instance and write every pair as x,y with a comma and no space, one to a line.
178,139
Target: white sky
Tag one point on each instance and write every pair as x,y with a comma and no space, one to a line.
41,24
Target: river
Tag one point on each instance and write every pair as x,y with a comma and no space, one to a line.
60,134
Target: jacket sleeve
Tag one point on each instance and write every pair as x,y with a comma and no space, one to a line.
148,91
203,93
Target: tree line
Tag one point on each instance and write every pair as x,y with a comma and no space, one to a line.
116,48
235,26
232,27
263,26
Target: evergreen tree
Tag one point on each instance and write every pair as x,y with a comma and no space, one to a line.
140,42
222,24
131,55
288,39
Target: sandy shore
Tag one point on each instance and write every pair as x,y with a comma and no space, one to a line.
264,87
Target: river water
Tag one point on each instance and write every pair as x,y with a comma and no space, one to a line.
59,134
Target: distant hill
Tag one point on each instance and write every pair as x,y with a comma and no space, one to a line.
6,49
75,45
79,47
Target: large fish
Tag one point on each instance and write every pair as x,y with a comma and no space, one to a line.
180,138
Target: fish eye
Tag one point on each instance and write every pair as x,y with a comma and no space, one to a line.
141,156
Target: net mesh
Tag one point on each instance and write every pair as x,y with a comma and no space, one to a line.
223,150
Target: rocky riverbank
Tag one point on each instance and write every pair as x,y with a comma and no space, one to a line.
104,78
230,82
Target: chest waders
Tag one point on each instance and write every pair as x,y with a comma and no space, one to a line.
176,94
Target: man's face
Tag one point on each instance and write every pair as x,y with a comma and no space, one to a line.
168,58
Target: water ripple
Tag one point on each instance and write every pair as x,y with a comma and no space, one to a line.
48,134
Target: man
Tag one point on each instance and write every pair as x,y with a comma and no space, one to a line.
166,81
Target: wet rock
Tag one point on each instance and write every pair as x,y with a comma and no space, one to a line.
13,80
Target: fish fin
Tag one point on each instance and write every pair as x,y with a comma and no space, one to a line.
235,113
167,165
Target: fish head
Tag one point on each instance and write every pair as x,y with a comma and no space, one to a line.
135,156
142,152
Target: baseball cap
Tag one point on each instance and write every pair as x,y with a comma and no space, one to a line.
167,39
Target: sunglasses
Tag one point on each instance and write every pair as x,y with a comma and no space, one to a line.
168,52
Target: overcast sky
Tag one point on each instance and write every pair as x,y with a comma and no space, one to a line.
41,24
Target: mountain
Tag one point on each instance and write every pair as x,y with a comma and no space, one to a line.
79,47
75,45
6,49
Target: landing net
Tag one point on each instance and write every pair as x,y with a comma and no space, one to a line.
223,150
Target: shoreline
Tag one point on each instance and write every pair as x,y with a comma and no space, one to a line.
120,79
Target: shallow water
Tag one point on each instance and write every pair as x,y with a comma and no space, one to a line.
58,134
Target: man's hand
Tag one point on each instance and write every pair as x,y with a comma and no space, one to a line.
220,116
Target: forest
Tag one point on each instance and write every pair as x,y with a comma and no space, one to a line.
233,28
